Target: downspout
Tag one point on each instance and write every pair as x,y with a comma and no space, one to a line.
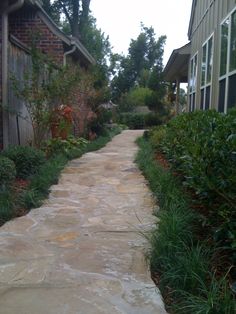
5,30
68,53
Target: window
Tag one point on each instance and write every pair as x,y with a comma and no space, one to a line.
192,82
227,80
207,62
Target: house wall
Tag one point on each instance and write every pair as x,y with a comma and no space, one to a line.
20,131
26,25
208,16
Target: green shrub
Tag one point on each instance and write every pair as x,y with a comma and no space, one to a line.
152,119
140,120
132,120
7,171
202,146
6,205
27,159
71,146
156,135
182,262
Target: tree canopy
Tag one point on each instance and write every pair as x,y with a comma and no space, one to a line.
142,66
76,13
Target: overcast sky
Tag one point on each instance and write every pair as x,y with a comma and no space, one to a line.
120,19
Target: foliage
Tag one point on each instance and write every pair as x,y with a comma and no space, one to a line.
142,66
40,183
140,120
79,22
7,171
216,299
182,263
6,205
44,88
202,145
57,145
75,12
135,97
27,159
47,174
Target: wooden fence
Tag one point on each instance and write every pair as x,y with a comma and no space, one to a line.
20,127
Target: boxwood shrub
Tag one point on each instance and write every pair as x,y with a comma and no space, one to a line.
27,159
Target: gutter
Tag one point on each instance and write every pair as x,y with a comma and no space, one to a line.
5,32
68,53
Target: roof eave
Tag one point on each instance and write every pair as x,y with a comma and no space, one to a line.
83,50
177,61
191,19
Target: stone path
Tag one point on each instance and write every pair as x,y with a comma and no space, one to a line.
82,251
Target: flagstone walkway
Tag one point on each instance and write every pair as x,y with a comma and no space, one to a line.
82,252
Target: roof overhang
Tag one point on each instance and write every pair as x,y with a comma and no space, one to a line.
177,65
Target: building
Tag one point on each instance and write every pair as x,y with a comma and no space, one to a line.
19,21
208,62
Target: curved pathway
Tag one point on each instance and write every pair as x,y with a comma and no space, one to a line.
83,250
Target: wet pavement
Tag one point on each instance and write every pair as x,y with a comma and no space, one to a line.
83,251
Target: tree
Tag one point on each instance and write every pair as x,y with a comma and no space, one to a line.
76,13
142,66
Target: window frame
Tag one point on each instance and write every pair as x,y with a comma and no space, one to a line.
205,85
228,73
193,81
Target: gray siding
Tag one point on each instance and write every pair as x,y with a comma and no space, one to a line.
208,16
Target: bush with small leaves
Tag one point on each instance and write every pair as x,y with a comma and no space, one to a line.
7,171
27,159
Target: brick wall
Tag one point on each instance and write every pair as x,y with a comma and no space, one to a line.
25,25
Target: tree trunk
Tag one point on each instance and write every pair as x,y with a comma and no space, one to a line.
75,19
84,15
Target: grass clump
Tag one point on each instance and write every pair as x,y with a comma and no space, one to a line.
6,205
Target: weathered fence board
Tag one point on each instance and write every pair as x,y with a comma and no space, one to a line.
20,127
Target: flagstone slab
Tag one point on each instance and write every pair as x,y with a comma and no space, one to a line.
83,251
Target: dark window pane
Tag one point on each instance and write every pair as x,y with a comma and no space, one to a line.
232,92
191,76
224,46
202,99
203,64
207,100
221,103
233,43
